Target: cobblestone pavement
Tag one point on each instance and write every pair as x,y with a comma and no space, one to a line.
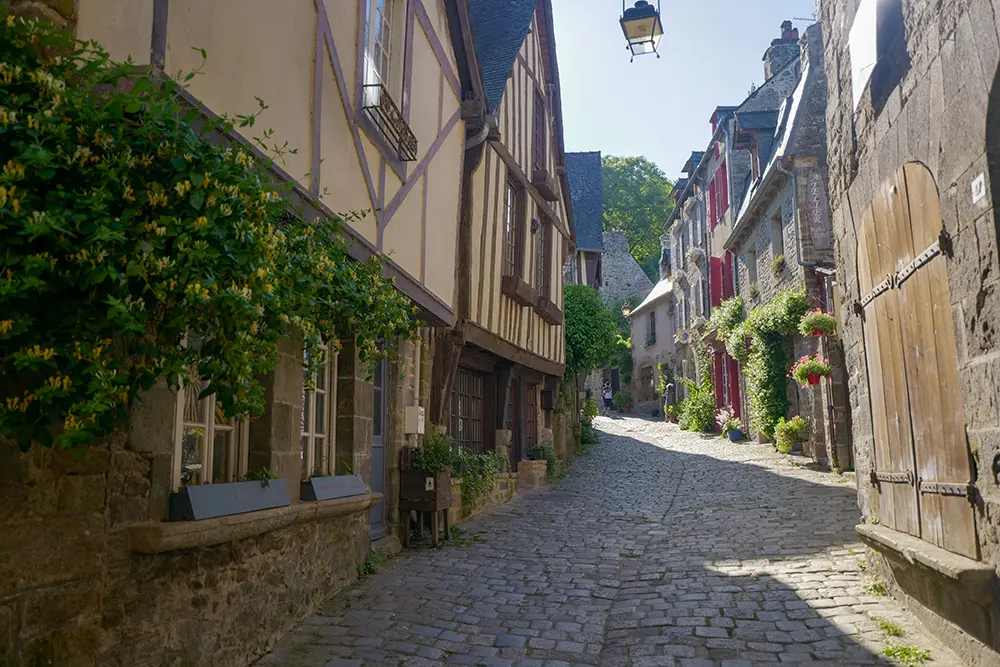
659,548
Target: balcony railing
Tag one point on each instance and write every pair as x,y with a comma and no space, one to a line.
385,114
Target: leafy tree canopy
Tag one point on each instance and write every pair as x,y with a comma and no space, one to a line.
591,331
637,202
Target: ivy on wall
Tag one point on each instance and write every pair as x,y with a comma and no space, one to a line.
591,330
760,343
135,249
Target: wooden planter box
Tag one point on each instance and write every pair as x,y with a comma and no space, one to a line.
424,492
206,501
548,311
518,291
328,488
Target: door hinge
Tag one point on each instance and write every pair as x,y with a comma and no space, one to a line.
879,476
967,490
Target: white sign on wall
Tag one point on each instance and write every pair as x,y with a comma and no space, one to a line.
863,43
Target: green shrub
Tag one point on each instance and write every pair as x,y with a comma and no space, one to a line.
591,331
674,410
589,411
787,433
588,436
777,265
807,366
480,473
732,424
698,409
622,400
436,453
817,320
126,229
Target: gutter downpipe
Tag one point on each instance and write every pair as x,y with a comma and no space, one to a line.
795,214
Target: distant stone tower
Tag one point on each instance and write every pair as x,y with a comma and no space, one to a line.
622,274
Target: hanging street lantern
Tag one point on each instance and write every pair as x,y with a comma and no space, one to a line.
642,27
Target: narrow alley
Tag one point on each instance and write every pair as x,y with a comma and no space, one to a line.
659,548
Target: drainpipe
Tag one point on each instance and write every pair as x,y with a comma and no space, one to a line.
795,214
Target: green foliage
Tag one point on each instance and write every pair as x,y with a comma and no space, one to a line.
461,538
875,586
908,656
726,317
754,292
480,473
623,360
436,453
637,202
817,320
588,436
373,563
788,432
767,328
621,400
674,410
125,228
262,475
589,411
777,265
345,467
697,411
546,453
890,628
807,366
630,302
666,377
591,332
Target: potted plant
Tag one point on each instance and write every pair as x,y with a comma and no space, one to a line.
622,401
808,370
674,412
817,323
733,428
425,478
789,432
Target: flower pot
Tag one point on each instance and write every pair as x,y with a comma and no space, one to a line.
735,436
818,332
814,379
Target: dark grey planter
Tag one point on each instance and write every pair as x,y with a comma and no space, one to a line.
206,501
328,488
735,436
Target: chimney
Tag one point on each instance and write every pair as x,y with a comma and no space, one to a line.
782,50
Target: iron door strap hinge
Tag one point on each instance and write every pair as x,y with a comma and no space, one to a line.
879,476
894,281
967,490
932,251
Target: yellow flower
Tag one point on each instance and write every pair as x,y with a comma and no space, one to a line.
10,21
129,193
6,326
16,205
183,188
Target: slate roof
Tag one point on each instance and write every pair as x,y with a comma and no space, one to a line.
586,192
499,28
662,289
757,120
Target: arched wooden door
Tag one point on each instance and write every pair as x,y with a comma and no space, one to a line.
922,465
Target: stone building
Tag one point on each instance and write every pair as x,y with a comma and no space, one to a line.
913,125
100,563
586,185
654,352
782,240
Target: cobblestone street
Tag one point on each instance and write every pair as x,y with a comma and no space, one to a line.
659,548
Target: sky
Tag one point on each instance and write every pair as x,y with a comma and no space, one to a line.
711,53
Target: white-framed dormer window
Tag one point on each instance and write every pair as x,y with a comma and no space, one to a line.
209,448
319,394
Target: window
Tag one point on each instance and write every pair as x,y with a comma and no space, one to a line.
317,406
684,249
777,236
725,381
721,192
543,257
209,448
467,411
511,231
531,417
651,328
538,137
706,303
752,266
381,42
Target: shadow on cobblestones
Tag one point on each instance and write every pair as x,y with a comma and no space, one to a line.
660,548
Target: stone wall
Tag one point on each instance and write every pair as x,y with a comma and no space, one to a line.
934,102
622,274
60,12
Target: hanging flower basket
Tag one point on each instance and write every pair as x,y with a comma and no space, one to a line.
817,323
808,370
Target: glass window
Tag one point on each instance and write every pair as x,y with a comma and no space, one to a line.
210,448
378,42
317,442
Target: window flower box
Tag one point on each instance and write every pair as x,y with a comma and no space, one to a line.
545,184
518,291
207,501
329,488
548,311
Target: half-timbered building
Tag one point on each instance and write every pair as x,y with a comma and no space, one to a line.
496,372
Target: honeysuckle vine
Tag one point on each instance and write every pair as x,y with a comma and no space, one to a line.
134,249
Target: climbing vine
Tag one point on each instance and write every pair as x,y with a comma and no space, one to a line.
759,342
591,332
135,249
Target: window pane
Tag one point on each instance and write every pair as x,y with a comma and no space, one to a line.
192,445
195,410
320,454
304,456
307,399
223,455
319,406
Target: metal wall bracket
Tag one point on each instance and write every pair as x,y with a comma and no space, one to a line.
967,489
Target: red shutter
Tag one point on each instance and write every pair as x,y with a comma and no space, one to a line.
727,275
723,190
717,363
734,385
711,203
715,280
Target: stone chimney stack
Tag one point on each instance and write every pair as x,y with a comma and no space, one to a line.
782,50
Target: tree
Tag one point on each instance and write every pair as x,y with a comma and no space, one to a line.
591,331
637,203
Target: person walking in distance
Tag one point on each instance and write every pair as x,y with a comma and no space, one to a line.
607,394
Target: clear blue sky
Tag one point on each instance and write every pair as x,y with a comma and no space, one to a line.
710,54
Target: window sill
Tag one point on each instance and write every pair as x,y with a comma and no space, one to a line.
545,184
518,291
154,538
548,311
975,578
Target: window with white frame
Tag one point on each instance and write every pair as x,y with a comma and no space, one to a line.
317,441
209,447
381,43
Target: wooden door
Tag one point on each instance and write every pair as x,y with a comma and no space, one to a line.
922,467
514,415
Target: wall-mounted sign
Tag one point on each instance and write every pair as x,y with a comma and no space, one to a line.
817,210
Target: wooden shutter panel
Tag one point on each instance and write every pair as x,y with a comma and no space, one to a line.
723,189
538,151
711,203
715,280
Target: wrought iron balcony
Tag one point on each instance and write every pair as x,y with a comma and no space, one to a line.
385,114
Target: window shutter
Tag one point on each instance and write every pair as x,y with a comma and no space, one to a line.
711,202
717,367
727,275
723,189
715,280
539,134
734,386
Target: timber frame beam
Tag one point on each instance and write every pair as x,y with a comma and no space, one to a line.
515,169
